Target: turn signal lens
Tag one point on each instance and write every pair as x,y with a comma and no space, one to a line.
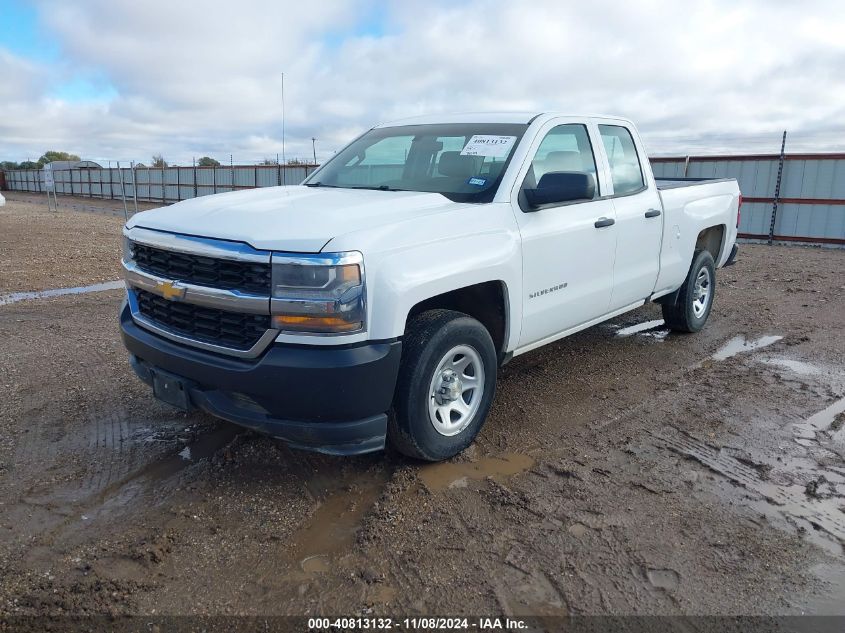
291,322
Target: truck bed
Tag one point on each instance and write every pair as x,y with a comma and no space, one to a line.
674,183
691,205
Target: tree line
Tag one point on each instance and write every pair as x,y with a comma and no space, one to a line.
47,157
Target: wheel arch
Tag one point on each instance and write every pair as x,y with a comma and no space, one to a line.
487,302
712,239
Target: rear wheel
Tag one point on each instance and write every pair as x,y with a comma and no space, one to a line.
446,384
695,298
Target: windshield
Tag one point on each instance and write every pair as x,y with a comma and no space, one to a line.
462,161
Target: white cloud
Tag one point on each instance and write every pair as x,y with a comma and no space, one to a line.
204,78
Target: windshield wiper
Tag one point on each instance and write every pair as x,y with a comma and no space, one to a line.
373,188
378,188
320,184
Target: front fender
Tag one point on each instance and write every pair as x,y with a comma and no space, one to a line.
413,261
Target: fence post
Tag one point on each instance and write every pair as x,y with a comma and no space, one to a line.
777,189
195,178
134,185
178,184
214,179
123,192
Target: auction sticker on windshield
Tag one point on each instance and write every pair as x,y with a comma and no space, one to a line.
488,145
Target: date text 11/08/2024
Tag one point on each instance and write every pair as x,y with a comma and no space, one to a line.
417,624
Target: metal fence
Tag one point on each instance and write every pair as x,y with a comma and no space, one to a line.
808,205
152,184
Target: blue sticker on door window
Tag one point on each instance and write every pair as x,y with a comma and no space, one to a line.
478,182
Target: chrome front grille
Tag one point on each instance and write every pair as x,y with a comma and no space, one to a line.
206,293
244,276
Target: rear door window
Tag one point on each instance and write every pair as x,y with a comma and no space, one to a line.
625,170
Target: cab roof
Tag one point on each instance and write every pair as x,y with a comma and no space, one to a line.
489,117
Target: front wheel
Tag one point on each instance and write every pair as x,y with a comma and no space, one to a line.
695,298
446,384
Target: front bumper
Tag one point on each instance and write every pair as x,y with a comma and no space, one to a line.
330,399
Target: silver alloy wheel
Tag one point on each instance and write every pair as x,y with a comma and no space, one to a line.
456,390
701,293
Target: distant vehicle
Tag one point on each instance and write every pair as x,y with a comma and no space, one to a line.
58,165
375,302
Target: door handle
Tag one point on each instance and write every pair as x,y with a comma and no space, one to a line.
602,222
652,213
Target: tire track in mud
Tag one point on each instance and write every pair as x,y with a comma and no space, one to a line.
820,513
79,513
109,442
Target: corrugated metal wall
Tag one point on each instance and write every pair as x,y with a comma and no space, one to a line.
170,184
811,204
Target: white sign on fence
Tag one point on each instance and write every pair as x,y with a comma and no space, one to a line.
50,185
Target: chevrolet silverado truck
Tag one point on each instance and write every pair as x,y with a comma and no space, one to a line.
374,303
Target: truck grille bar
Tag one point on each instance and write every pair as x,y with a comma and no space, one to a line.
251,277
229,329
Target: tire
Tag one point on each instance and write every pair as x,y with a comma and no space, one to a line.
441,352
695,297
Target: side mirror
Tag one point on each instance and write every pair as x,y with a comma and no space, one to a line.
561,186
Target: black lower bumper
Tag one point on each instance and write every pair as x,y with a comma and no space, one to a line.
330,399
732,259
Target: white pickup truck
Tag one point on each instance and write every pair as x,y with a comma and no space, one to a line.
375,302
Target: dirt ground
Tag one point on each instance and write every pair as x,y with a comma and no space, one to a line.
624,470
42,249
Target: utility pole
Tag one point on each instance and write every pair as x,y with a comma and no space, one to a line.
314,148
284,160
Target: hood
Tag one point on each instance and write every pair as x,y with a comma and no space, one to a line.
296,219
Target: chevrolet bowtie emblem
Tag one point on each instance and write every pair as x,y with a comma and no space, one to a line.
169,290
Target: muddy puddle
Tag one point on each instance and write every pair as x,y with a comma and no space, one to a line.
817,516
457,475
73,513
330,532
795,366
740,345
86,505
642,328
830,600
825,426
807,489
58,292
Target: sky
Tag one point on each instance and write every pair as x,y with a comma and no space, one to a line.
113,80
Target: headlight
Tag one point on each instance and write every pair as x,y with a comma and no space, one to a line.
321,294
127,249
